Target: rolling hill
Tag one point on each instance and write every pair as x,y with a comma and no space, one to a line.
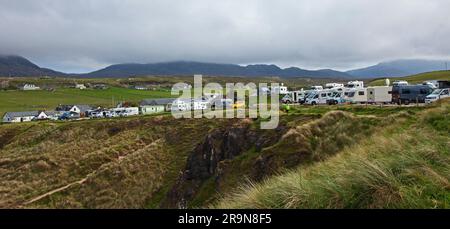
212,69
398,68
416,79
17,66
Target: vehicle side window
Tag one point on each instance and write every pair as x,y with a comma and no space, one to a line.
444,92
424,91
317,96
360,92
323,94
406,91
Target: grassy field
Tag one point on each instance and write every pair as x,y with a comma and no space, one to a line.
415,79
16,100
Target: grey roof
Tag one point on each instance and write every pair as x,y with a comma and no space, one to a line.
52,112
150,102
82,107
22,114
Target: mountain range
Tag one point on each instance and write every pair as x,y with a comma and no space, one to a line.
15,66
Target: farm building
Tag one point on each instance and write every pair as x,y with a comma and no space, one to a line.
151,106
24,116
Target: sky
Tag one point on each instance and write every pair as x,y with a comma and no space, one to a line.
85,35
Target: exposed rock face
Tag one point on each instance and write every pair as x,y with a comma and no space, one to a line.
219,146
216,165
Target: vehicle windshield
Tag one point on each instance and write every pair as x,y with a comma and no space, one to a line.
351,86
436,92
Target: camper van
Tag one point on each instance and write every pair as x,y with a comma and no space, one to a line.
355,84
336,98
316,88
410,93
294,97
319,97
333,85
437,94
379,94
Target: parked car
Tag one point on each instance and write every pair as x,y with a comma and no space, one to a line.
437,94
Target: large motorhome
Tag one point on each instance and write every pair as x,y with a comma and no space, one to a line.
333,85
379,94
355,84
319,97
410,93
294,97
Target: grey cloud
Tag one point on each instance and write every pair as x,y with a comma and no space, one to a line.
85,35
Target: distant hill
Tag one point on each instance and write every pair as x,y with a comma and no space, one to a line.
398,68
17,66
213,69
416,79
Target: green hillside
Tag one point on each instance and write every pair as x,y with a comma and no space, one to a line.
317,157
405,164
16,100
415,79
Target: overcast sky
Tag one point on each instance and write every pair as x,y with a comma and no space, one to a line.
83,35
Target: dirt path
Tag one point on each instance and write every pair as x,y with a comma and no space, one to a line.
79,182
57,190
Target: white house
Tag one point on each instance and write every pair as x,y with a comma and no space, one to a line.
24,116
52,115
30,87
151,106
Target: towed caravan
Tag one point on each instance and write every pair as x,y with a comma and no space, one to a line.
379,94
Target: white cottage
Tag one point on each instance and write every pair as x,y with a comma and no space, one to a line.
24,116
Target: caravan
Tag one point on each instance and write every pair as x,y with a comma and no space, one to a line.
355,95
379,94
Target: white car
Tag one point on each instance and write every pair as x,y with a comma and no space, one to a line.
436,95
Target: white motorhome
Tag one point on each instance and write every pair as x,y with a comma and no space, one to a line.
437,94
355,84
333,85
294,96
319,97
282,90
379,94
316,88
